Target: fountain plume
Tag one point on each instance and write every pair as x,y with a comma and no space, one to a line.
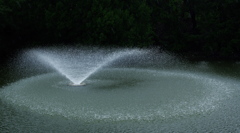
78,65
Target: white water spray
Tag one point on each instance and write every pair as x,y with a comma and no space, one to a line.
78,65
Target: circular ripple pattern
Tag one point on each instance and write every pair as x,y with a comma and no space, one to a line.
121,94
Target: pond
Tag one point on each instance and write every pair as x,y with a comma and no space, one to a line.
150,92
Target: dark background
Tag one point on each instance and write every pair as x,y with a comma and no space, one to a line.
192,28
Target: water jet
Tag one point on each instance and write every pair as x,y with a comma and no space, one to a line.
77,65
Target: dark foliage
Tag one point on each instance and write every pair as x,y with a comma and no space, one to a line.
188,27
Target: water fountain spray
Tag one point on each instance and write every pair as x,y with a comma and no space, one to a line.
78,65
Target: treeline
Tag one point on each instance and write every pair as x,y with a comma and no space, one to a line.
194,27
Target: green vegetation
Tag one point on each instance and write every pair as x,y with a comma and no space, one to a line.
189,27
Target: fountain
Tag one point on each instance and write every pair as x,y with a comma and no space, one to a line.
126,90
78,65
